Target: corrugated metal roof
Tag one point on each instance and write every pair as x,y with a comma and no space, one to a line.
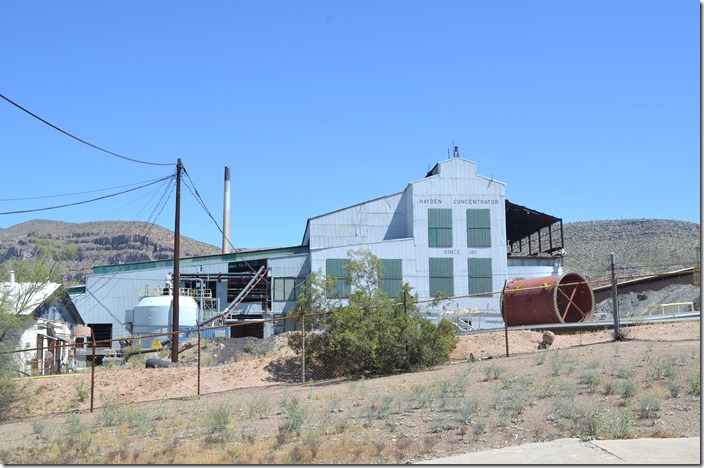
254,254
32,295
521,221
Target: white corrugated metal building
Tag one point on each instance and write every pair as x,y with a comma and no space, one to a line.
451,233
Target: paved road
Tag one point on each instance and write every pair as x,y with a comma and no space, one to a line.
682,451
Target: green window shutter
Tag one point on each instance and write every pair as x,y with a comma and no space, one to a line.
278,289
392,277
297,285
288,289
441,276
335,268
439,227
480,275
478,228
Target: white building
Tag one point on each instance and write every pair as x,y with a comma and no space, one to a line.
49,335
451,233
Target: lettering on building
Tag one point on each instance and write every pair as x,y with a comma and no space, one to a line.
475,201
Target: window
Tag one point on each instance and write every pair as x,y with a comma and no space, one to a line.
478,228
439,227
102,332
441,279
480,278
286,289
236,284
392,277
335,268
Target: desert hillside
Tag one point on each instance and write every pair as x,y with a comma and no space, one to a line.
78,247
642,246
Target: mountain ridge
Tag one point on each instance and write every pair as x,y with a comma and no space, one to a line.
642,246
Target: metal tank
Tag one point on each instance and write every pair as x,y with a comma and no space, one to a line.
553,299
153,314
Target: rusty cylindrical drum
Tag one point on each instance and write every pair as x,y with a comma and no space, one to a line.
552,299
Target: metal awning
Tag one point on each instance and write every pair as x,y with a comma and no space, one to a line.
522,222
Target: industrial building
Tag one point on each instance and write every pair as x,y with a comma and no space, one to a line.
451,233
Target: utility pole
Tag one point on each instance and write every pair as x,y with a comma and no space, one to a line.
177,254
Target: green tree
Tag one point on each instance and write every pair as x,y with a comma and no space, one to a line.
371,332
31,276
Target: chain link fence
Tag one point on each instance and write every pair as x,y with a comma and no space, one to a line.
664,308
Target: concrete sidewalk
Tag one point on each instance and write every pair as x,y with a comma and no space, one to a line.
683,451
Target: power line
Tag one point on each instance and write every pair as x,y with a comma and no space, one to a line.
79,139
200,201
78,193
86,201
197,196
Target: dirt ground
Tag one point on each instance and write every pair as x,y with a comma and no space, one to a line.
422,412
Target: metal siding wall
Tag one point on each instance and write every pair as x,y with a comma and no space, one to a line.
373,221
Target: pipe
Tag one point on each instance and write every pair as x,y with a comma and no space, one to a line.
153,363
549,300
226,214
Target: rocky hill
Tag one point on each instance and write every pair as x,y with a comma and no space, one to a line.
80,247
642,246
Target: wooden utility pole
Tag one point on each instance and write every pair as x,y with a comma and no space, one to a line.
176,279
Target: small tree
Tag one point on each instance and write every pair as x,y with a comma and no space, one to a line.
31,277
371,332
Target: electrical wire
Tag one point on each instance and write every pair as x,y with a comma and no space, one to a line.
198,198
107,279
196,195
79,139
84,201
78,193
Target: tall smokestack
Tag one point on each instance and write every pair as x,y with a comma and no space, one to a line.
226,214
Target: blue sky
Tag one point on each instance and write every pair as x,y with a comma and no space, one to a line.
586,110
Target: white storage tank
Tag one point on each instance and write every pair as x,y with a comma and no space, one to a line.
153,314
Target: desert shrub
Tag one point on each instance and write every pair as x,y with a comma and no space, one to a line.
467,411
510,402
674,388
610,387
295,414
258,406
695,384
371,333
628,389
8,396
217,422
661,368
493,372
557,387
11,326
561,365
113,413
623,371
610,424
591,378
647,406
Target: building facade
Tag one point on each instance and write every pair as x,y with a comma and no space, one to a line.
451,234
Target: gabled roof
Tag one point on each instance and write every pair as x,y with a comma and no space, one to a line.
32,299
32,295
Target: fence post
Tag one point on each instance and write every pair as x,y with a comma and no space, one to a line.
303,348
614,298
503,314
198,359
92,374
